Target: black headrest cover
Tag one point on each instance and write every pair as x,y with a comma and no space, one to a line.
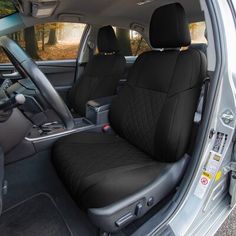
169,27
107,41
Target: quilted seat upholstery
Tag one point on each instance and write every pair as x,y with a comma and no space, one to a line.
152,117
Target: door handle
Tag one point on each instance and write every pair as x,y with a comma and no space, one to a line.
14,75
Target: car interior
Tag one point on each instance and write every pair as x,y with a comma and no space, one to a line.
111,154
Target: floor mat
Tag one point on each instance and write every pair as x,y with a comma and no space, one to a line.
37,216
35,175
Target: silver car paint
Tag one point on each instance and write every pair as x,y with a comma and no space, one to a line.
204,216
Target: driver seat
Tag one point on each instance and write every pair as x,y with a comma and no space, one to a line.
118,177
102,73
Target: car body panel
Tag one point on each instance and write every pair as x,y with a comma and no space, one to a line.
213,205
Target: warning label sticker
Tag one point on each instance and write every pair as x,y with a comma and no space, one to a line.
218,175
203,184
220,142
213,163
204,180
211,169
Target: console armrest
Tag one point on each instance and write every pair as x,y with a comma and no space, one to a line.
101,103
97,110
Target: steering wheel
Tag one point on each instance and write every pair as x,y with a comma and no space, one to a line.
27,66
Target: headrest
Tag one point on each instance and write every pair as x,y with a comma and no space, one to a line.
205,34
169,27
107,41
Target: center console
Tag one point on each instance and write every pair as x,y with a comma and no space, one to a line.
41,137
31,124
96,117
55,128
97,110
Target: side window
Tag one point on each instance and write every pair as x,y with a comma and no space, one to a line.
197,31
3,57
131,42
51,41
6,8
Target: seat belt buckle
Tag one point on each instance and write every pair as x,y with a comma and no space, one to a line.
106,128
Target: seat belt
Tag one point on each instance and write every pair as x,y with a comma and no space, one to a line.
91,49
199,113
206,85
202,101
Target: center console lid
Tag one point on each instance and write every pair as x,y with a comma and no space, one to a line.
97,110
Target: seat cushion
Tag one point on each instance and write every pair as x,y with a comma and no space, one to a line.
100,169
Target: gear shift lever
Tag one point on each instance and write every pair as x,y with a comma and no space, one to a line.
13,102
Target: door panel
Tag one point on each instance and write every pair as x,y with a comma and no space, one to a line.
60,73
5,69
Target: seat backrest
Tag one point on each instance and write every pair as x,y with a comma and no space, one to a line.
102,73
155,110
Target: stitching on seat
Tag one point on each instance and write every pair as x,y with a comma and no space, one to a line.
114,169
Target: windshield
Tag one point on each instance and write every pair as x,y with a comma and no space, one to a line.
6,8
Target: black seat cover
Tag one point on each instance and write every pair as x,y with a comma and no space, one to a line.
101,74
199,46
152,117
100,169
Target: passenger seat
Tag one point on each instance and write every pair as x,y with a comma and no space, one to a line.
117,178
